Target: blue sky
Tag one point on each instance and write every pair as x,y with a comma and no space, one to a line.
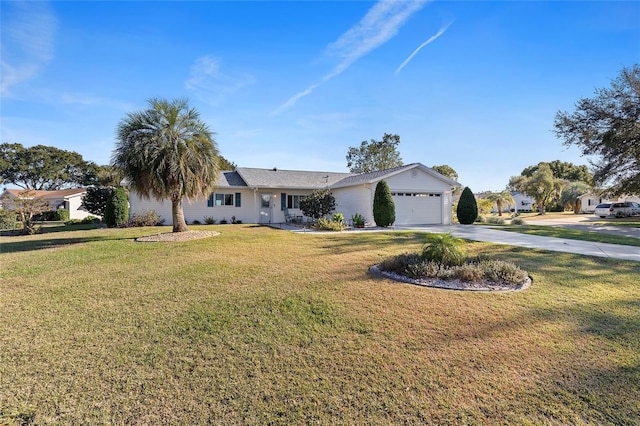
294,84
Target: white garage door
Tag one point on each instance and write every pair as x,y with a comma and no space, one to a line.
417,208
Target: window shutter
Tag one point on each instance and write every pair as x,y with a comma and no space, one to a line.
238,199
210,201
283,201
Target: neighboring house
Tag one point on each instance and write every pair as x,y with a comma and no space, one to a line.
523,203
70,199
421,195
589,201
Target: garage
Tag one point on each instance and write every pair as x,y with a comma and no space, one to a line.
418,208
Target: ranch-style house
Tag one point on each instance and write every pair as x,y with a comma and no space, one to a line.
251,195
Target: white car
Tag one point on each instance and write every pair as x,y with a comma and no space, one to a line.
621,209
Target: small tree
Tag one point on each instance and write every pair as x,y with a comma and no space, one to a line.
542,186
606,127
375,155
570,195
117,209
500,198
318,204
467,210
95,200
26,206
384,209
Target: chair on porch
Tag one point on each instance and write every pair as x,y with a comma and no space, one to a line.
287,216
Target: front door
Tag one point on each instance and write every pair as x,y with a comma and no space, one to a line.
265,208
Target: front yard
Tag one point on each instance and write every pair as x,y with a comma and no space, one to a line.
264,326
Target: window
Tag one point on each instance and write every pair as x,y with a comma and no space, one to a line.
219,200
293,201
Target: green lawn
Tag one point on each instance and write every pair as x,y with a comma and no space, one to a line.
264,326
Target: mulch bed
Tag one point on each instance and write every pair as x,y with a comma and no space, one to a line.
177,236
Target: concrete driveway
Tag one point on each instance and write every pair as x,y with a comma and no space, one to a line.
488,234
492,235
585,222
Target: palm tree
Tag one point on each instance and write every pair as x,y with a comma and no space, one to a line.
167,152
570,195
500,198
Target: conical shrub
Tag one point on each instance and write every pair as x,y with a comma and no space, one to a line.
384,209
467,210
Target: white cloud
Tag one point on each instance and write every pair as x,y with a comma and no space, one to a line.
28,32
381,23
432,38
208,83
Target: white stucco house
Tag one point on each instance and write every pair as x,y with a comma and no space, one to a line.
522,202
589,201
70,199
252,195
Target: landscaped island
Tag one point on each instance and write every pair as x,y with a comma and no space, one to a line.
443,263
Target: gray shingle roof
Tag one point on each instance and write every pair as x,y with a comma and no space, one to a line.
276,178
300,179
371,176
226,179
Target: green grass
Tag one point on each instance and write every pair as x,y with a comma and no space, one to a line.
572,234
265,326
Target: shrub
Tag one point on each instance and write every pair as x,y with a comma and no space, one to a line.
96,198
61,215
517,221
400,263
414,266
498,270
318,204
384,209
8,219
89,220
445,249
426,269
495,220
468,272
196,222
358,220
145,218
117,210
209,220
338,217
329,225
467,210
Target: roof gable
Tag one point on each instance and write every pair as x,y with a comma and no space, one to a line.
373,177
63,193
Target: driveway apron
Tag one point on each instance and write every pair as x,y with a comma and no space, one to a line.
491,235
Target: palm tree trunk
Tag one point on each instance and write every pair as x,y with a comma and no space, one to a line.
179,224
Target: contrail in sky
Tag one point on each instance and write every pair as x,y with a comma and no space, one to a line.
438,34
381,23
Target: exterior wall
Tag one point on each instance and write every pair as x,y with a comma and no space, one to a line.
355,199
199,210
359,199
416,180
279,204
590,201
522,202
74,205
